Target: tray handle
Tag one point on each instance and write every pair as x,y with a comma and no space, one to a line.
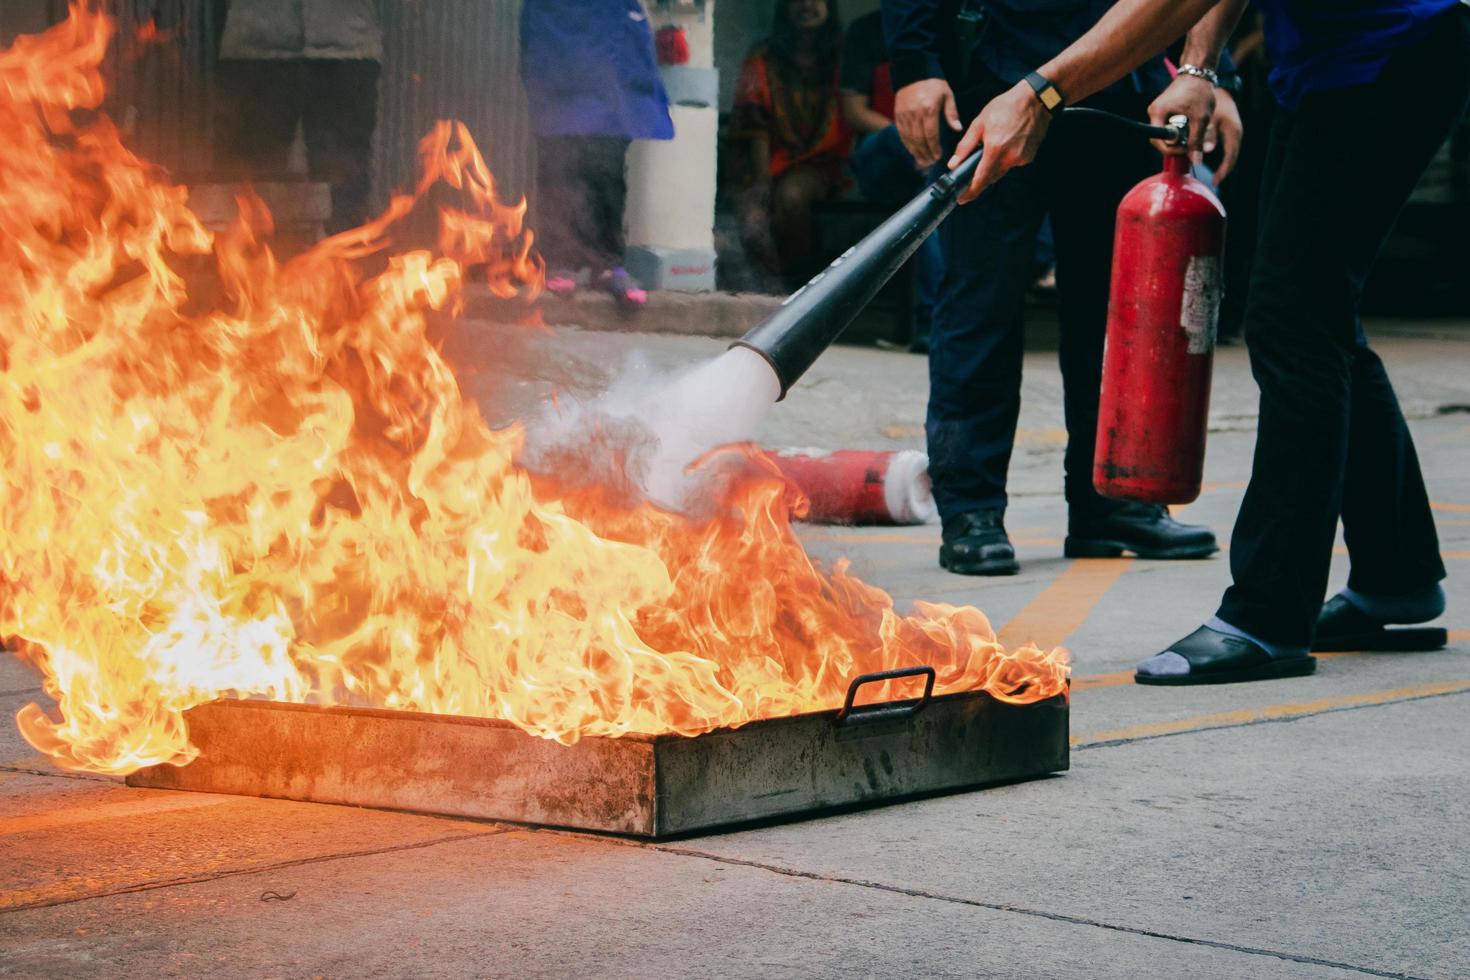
888,709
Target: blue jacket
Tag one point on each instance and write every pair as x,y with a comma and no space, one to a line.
589,70
1018,37
1318,45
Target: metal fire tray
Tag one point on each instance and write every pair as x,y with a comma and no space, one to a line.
649,786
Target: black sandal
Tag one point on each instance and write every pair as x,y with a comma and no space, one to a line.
1342,626
1218,658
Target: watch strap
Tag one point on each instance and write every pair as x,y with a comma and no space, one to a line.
1049,95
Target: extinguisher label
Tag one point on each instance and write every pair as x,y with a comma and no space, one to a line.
1199,312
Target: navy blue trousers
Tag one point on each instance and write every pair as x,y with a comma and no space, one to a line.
1082,172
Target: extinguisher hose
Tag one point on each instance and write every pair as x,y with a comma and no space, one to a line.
1176,133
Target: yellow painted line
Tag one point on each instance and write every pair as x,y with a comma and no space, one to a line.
1043,437
109,811
1274,712
1102,680
1065,604
1452,508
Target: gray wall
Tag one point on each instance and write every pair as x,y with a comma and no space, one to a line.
452,59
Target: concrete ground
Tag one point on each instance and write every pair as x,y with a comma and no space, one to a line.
1312,827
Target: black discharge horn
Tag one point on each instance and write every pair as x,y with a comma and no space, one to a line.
812,317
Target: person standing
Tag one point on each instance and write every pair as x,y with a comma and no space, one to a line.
593,87
307,63
951,57
1331,441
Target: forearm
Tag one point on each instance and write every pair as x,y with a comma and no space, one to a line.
861,116
1129,34
1207,39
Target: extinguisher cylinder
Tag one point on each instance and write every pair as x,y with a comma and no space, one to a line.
1163,311
856,486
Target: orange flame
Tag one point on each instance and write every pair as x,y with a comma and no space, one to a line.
288,496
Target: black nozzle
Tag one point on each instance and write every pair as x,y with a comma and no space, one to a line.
811,318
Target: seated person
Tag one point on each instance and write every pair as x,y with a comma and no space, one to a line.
788,114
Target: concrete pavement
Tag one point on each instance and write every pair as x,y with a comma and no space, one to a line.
1298,828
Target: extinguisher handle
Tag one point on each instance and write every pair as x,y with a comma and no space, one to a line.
1179,128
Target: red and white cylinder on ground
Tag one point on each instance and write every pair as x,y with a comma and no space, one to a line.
1162,315
857,486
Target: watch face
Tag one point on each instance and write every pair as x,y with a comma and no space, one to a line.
1049,94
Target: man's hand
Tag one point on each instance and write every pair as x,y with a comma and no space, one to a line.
917,108
1010,128
1191,96
1227,130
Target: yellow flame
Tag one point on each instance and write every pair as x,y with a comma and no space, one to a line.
285,494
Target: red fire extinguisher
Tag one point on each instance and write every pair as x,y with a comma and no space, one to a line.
859,486
1162,315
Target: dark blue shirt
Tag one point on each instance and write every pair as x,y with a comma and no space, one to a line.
1317,45
1017,37
589,70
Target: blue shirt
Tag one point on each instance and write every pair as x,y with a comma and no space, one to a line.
1018,37
1317,45
589,70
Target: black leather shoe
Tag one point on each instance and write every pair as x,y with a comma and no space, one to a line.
1343,626
976,544
1147,530
1211,657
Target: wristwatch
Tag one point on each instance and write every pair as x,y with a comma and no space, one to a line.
1049,94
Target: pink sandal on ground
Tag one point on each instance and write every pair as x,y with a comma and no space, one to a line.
561,282
625,290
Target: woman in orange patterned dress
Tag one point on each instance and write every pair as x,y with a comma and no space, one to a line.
788,111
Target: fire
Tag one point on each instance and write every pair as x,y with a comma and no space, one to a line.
283,493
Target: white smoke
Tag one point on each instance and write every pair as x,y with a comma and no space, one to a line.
650,425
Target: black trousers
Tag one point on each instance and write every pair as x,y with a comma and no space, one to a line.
1332,440
1082,172
260,103
581,190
